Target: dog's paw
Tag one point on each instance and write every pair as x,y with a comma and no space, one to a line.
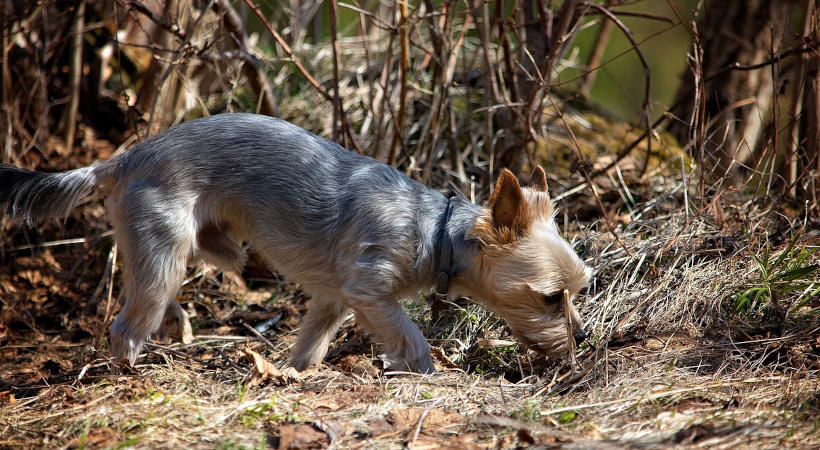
418,363
125,348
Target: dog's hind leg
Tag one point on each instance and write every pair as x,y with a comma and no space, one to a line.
155,232
320,324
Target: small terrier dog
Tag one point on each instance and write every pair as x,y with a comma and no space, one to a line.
356,233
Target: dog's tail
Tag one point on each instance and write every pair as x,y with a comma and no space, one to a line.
33,197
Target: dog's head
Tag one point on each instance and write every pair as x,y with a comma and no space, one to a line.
525,271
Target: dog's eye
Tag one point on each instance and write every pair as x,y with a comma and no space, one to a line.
555,297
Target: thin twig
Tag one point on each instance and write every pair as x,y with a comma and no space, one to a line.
403,68
585,173
647,101
76,73
422,416
288,51
334,46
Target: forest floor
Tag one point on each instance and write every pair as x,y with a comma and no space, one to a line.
705,332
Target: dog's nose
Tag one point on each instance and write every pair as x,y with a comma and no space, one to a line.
579,336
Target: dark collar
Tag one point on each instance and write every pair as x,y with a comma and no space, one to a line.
445,253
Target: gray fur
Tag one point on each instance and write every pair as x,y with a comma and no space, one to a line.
355,232
33,197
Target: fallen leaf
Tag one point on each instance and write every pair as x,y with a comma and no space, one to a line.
438,353
265,370
381,428
357,365
302,437
435,420
104,437
7,398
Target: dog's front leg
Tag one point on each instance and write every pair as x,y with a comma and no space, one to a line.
318,328
405,346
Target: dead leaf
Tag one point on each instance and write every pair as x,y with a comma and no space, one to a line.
265,370
7,398
357,365
438,353
381,428
436,419
104,437
302,437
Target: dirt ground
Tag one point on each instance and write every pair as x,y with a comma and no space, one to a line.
705,332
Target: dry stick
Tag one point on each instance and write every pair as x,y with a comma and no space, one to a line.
585,174
601,41
338,107
399,119
570,331
505,45
260,336
422,416
162,20
641,15
288,51
446,80
430,129
252,68
334,45
490,85
323,92
7,105
647,101
813,144
567,26
380,125
76,73
167,72
697,128
775,114
371,105
799,83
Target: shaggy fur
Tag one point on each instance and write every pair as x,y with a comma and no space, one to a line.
357,234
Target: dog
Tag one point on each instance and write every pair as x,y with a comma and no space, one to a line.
354,232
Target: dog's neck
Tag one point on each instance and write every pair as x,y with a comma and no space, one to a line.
450,230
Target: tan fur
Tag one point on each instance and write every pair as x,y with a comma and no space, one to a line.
516,268
538,180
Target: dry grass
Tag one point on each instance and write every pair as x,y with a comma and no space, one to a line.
672,361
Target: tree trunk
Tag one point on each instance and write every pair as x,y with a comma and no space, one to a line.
741,32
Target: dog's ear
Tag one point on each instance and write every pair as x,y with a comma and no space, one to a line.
538,180
537,194
509,209
506,215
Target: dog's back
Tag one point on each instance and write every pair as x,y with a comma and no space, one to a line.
261,180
